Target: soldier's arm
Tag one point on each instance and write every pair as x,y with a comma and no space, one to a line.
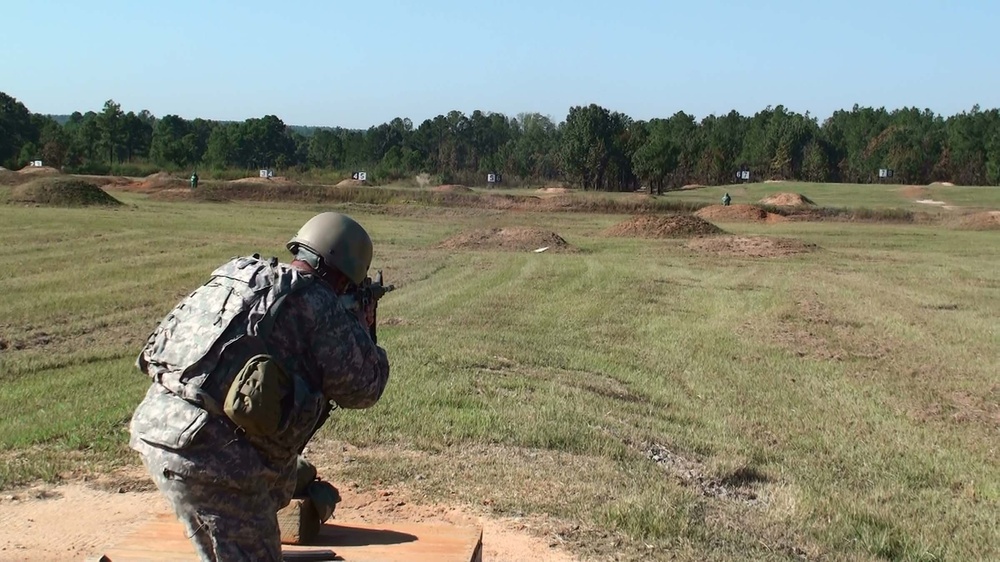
354,370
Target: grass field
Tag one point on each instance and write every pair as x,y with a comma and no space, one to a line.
653,402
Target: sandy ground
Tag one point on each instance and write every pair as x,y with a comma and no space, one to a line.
77,521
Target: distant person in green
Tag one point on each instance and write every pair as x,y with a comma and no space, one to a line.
726,199
194,180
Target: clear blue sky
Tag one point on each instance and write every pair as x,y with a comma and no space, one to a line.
357,63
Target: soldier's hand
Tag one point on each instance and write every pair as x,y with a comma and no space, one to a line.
366,315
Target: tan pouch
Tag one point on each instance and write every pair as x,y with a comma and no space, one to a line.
255,401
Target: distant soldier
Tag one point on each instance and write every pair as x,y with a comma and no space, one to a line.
245,370
194,180
726,199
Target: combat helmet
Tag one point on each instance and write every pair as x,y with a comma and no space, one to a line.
338,241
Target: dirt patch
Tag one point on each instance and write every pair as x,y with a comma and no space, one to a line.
30,518
738,213
738,485
963,407
554,190
988,220
509,239
62,192
451,188
943,183
810,329
787,200
914,191
39,170
664,226
692,186
752,246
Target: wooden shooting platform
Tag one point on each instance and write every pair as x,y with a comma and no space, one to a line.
163,539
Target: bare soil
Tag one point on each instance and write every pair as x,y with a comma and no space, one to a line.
664,226
738,213
509,239
79,520
751,246
787,200
692,186
554,190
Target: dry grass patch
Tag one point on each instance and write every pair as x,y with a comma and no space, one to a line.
988,220
451,188
752,246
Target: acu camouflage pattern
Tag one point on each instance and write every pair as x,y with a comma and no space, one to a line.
227,486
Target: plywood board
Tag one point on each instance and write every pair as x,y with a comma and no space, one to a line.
162,540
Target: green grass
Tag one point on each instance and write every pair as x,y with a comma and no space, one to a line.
852,392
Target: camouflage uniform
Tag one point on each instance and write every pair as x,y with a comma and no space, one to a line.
225,485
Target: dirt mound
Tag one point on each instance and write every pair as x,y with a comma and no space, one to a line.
738,213
509,239
943,183
451,188
554,190
666,226
154,182
751,246
988,220
39,170
787,200
350,182
60,192
693,186
258,179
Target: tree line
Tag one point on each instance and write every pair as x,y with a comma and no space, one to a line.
592,148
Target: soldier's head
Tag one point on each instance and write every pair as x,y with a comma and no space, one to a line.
336,246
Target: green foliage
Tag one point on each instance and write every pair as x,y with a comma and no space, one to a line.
16,130
594,148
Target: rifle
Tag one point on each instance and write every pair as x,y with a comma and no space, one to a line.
358,297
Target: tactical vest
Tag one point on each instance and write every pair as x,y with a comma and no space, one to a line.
199,347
